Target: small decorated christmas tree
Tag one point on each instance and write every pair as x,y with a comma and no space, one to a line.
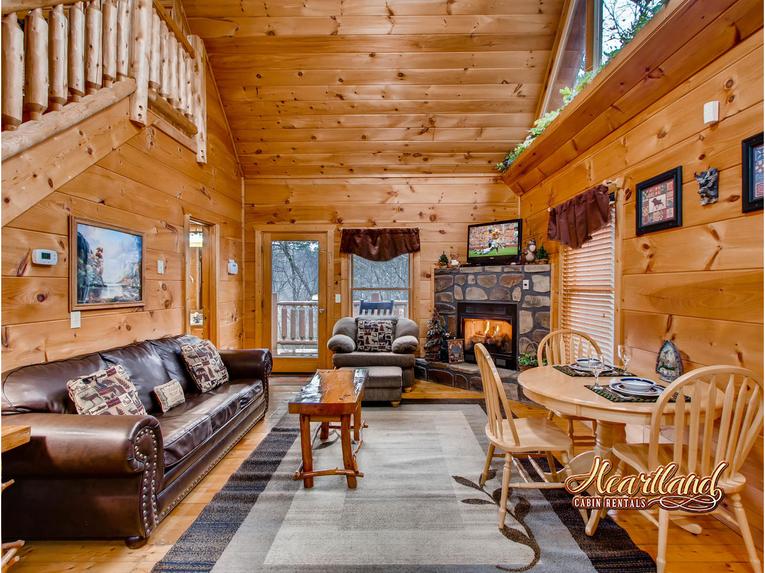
435,337
443,260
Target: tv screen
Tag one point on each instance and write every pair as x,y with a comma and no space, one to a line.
494,242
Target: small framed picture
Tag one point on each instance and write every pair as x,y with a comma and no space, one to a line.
659,202
752,190
456,350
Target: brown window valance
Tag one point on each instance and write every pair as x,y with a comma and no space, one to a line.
573,222
379,244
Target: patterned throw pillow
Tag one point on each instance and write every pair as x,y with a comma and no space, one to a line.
205,365
374,335
169,395
108,391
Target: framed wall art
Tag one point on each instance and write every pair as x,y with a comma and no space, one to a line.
456,351
659,202
752,186
107,271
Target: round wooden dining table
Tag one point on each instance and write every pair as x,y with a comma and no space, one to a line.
568,395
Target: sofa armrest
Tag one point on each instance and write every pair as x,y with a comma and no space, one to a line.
341,343
405,345
79,445
250,363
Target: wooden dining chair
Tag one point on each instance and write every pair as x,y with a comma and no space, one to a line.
564,346
705,434
528,438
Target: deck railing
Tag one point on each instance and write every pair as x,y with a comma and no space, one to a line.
65,60
295,326
400,308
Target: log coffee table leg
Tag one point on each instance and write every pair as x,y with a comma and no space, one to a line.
348,461
305,447
357,424
324,434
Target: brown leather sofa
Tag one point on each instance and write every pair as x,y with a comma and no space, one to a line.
119,476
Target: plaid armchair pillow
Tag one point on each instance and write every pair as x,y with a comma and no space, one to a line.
375,335
107,391
205,365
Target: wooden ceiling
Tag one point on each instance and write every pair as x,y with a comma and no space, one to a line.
346,88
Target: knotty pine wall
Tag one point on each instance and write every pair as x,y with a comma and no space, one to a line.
699,285
149,184
441,207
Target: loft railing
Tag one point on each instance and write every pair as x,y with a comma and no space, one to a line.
65,60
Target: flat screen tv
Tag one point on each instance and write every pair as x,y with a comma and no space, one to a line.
494,243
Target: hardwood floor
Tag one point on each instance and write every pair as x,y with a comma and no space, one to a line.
717,549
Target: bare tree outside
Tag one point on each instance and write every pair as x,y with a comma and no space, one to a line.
622,19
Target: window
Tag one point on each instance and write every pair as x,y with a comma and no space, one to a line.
381,287
587,287
620,20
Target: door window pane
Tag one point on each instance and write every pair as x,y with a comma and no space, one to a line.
380,288
295,298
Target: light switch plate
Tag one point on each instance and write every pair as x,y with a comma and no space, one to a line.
526,284
74,319
338,298
161,266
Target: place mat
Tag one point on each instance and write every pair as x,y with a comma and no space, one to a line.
568,371
609,394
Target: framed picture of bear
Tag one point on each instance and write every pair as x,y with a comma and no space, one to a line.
752,188
107,267
659,202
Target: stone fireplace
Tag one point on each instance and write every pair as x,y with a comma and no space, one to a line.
489,304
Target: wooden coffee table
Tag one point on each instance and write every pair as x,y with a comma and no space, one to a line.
330,396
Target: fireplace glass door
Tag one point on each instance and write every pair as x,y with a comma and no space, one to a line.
495,335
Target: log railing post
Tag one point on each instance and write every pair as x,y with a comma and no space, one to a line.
58,32
124,20
109,45
172,96
140,61
93,29
13,72
76,56
36,77
164,73
199,90
155,63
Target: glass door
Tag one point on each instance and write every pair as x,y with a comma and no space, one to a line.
294,278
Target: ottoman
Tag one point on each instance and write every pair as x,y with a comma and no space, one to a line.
383,384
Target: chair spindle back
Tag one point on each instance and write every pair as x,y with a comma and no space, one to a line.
718,415
495,396
564,346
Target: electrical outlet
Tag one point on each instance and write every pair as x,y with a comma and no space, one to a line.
526,284
74,319
160,266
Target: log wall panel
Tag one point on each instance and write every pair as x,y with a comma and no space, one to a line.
701,284
148,184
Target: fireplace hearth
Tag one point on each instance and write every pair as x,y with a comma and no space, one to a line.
492,324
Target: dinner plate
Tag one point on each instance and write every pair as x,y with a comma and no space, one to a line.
586,363
635,383
619,387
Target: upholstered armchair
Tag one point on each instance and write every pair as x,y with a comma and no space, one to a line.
403,352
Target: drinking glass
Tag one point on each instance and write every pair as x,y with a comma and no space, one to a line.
625,355
598,367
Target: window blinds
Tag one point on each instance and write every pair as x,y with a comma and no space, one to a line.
587,287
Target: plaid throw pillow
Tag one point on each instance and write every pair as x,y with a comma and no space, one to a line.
169,395
205,365
108,391
374,335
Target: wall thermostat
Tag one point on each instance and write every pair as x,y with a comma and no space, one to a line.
44,257
233,268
